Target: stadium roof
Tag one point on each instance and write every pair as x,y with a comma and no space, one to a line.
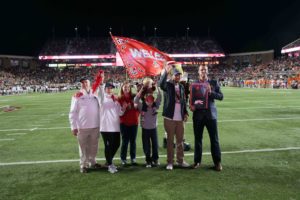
291,47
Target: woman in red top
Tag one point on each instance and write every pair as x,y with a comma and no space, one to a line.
128,123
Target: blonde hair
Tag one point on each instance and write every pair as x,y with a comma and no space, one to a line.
122,92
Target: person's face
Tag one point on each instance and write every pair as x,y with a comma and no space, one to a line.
109,90
149,103
85,84
203,71
126,89
177,78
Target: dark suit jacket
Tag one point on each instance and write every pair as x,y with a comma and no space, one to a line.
169,97
211,112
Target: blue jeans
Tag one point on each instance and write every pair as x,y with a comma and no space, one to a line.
149,136
129,134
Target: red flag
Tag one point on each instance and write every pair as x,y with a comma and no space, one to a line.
139,58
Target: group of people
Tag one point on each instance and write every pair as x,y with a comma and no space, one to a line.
116,118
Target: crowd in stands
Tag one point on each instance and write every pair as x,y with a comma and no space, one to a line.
278,73
275,74
46,79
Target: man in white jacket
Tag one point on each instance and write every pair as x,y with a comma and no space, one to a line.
84,120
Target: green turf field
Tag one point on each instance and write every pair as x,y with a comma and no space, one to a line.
259,132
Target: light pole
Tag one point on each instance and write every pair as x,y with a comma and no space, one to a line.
187,32
76,32
110,29
155,31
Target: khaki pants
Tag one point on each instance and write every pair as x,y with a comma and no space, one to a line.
174,128
88,146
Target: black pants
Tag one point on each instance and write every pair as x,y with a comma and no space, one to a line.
149,138
111,145
129,134
211,126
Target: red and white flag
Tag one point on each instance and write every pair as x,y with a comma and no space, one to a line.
139,58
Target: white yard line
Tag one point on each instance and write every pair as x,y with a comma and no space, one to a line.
220,121
4,106
7,139
17,134
261,119
162,156
266,107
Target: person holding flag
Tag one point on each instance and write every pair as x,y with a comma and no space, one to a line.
174,113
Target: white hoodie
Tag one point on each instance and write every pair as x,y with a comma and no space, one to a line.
84,112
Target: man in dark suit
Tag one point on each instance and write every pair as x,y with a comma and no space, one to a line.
205,115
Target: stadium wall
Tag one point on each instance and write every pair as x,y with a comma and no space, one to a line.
258,57
8,61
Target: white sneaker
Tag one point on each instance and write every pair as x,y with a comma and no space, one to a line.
112,169
115,166
124,162
169,167
148,165
183,164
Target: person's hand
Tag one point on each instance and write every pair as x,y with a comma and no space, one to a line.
185,118
124,106
192,108
198,102
167,67
75,131
102,76
209,88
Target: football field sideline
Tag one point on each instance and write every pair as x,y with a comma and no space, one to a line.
219,121
161,156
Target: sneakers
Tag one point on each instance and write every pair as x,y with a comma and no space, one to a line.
218,167
196,165
84,170
183,164
169,167
96,166
112,169
155,163
133,162
123,162
148,165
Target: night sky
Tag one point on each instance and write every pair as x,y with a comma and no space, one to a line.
238,26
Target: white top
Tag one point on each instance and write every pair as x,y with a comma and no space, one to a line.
110,112
84,111
177,111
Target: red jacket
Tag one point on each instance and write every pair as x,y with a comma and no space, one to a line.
131,114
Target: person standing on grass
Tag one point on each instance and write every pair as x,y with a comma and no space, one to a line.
84,120
148,109
110,112
129,123
174,113
205,115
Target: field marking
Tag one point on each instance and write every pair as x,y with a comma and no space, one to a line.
4,106
268,107
220,108
161,156
17,134
7,139
261,119
190,122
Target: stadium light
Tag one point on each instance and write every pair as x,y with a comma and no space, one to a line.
290,50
